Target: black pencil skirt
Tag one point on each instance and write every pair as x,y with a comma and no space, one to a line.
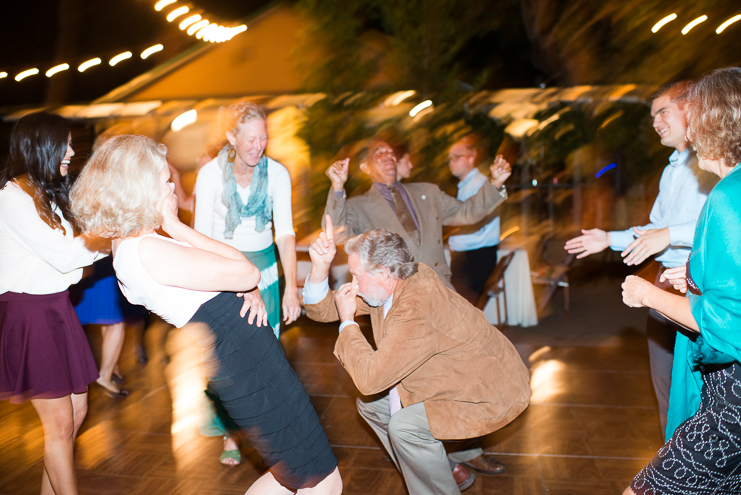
262,394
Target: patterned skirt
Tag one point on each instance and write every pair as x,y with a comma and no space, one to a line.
704,455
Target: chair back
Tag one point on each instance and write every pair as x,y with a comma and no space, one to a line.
493,287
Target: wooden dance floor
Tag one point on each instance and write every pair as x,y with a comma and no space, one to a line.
590,428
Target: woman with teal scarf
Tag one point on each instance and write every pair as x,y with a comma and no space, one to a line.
703,453
243,199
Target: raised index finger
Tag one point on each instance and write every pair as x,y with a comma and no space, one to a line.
329,229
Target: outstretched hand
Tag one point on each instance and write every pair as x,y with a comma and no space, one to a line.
322,251
593,241
337,173
500,171
649,241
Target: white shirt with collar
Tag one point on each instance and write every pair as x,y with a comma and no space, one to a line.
683,190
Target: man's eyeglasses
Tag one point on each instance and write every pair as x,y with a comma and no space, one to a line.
454,158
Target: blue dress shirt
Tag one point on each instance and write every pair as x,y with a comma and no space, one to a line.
488,235
683,190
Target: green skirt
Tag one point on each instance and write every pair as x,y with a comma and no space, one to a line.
266,262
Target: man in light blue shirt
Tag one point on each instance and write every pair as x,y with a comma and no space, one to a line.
474,252
683,190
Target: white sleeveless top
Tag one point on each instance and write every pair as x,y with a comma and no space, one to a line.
175,305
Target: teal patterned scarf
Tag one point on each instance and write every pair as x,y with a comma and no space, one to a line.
258,206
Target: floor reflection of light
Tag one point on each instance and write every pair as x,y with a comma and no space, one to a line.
535,356
544,381
186,383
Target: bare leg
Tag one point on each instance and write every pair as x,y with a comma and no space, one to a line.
628,491
268,485
61,419
113,338
331,485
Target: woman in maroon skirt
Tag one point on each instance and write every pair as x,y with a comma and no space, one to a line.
44,354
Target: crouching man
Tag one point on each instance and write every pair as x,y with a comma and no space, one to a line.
449,374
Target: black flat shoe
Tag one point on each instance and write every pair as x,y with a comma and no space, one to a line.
121,394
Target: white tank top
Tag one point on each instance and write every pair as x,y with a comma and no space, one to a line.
175,305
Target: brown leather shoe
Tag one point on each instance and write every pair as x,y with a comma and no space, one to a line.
485,463
463,477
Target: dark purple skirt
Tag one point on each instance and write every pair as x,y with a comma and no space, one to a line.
44,353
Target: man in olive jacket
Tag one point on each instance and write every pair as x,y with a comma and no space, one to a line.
449,373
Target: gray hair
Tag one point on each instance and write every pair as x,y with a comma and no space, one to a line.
380,248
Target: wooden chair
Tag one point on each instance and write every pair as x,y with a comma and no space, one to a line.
553,270
495,288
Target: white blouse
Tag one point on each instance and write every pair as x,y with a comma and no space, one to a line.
210,211
175,305
34,258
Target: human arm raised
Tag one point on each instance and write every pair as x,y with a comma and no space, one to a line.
500,171
319,303
337,173
207,265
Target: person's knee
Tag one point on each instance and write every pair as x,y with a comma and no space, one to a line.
80,412
628,491
60,426
335,487
399,431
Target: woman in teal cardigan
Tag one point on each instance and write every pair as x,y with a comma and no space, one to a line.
703,454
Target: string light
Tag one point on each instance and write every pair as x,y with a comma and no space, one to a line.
190,20
728,23
90,63
162,4
192,25
663,21
177,13
26,73
202,32
151,50
120,57
198,25
425,104
184,119
57,68
694,23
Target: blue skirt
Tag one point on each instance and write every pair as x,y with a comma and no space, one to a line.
97,299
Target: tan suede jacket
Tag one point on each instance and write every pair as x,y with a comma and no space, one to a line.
441,351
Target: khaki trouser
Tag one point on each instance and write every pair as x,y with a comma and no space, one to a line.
419,456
